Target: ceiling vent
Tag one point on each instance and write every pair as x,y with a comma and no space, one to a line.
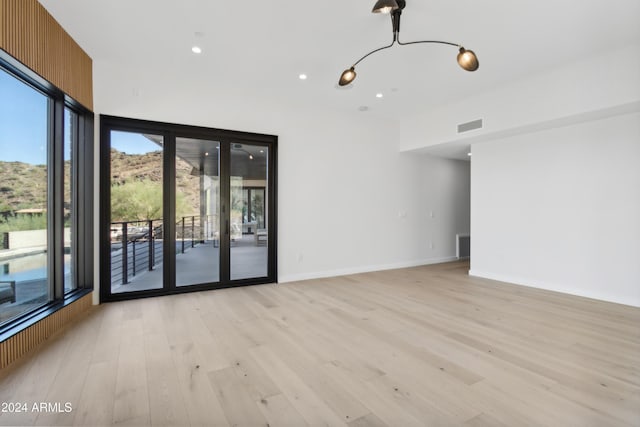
472,125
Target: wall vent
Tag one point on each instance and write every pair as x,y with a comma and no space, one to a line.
472,125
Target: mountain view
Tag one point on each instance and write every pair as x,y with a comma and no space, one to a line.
142,173
22,185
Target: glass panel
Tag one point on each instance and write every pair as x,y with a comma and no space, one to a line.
197,211
70,142
136,212
249,233
23,198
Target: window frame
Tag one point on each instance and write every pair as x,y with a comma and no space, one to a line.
82,195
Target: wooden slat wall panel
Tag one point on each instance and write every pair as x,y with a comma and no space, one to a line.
23,342
32,36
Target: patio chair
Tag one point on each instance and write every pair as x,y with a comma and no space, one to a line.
261,237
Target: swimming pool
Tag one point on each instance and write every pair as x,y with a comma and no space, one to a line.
28,268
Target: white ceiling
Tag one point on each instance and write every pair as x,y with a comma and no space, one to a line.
258,48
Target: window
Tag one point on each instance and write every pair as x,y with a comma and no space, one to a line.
46,214
70,141
23,203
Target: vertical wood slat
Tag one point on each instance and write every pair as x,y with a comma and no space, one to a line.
32,36
20,344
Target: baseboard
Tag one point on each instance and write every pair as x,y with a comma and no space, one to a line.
362,269
601,296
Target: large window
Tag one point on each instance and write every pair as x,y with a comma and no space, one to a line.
24,191
45,219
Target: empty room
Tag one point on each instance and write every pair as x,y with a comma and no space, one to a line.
364,213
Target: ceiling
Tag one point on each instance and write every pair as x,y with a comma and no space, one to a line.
246,160
258,48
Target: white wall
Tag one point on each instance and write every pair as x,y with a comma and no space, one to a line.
349,201
597,86
560,209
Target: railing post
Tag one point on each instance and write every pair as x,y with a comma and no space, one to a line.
152,256
182,234
193,234
133,246
125,254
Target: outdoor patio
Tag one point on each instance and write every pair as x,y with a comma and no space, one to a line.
200,264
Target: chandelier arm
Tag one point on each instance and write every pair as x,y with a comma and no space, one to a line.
374,51
428,41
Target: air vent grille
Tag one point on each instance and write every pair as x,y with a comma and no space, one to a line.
472,125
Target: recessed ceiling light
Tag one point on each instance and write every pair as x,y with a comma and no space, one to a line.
262,151
469,153
196,49
206,154
379,95
302,77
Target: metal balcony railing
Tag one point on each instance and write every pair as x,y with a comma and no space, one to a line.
137,246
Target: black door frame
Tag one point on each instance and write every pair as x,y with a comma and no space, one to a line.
171,131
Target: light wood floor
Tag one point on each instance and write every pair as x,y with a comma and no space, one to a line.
411,347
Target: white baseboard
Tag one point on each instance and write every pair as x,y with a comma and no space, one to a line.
602,296
362,269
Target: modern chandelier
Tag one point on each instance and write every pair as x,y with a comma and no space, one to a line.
466,58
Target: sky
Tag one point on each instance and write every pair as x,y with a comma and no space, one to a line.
23,126
23,122
132,143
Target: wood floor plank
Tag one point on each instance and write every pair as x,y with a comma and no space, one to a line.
384,408
369,420
107,346
293,350
95,407
484,420
312,408
411,347
279,412
195,388
166,404
238,406
72,375
131,405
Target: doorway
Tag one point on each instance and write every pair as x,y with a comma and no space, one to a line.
184,208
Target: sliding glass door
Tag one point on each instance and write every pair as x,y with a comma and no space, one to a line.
250,233
189,208
136,224
197,208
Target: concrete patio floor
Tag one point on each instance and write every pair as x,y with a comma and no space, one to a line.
200,264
